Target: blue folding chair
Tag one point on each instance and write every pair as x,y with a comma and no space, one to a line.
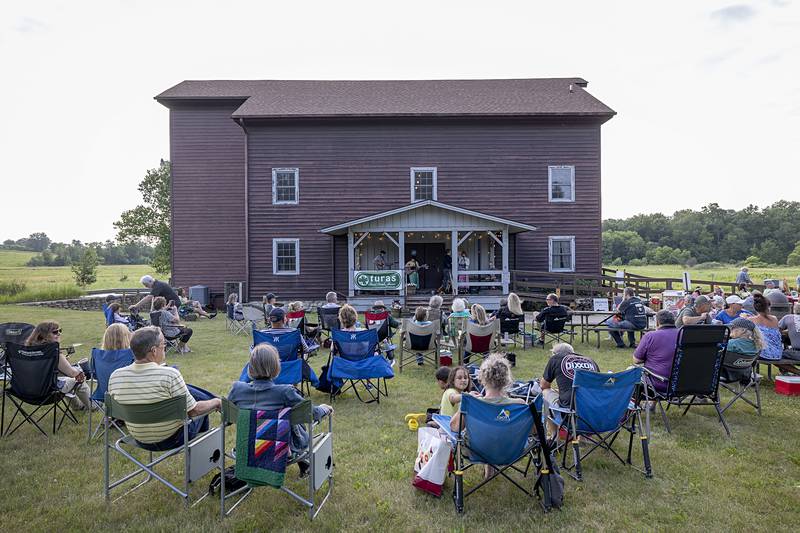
109,314
102,365
602,406
500,435
353,360
294,368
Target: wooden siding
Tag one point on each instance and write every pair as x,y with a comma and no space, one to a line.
351,169
208,216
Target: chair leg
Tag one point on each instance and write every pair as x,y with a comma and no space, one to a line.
758,395
722,418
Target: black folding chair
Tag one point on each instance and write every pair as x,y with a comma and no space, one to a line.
694,378
328,319
738,375
33,379
512,328
555,329
15,332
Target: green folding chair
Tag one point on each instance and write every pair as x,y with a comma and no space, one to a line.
319,455
201,455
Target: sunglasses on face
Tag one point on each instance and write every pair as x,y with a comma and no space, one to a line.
57,331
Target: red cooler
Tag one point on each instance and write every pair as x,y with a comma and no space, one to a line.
787,385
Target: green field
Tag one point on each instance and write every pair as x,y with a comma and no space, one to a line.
44,283
748,482
726,273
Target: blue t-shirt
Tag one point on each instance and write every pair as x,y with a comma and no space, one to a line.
725,318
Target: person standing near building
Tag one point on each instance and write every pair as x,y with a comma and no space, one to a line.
380,261
447,272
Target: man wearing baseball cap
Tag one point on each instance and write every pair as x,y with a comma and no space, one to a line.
733,310
277,321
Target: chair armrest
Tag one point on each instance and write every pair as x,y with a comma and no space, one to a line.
653,374
565,410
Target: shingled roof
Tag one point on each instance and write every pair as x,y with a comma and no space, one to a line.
412,98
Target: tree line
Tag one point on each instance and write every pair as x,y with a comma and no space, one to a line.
66,254
751,236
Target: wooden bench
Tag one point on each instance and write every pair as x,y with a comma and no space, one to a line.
770,362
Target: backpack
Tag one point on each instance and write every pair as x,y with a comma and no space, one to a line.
325,384
232,483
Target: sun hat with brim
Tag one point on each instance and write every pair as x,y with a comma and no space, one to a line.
733,299
742,323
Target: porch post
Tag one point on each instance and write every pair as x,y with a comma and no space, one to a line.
350,263
454,258
505,260
401,255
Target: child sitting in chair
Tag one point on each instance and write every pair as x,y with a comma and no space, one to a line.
458,383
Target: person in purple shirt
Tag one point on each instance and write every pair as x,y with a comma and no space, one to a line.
657,348
733,310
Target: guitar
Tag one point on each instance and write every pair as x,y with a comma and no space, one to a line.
409,270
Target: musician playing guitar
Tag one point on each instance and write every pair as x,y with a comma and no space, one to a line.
412,269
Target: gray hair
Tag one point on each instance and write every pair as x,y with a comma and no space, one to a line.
331,298
665,318
701,300
563,348
552,296
495,372
435,302
265,363
147,279
796,308
145,339
458,305
629,292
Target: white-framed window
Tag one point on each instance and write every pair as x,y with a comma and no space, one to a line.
286,257
561,183
423,183
285,185
562,254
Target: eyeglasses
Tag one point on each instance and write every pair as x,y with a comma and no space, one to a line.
57,331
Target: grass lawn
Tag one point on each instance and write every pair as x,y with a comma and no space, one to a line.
750,481
726,273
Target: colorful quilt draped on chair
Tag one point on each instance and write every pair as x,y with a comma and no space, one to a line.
263,438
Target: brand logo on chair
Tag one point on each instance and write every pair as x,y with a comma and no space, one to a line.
504,415
377,280
610,381
353,337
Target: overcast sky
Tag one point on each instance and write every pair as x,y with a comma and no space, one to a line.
707,93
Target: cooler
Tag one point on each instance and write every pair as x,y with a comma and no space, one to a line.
787,385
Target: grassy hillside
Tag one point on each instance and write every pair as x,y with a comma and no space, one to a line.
45,283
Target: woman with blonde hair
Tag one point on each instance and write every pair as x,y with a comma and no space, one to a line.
348,318
478,315
116,337
512,308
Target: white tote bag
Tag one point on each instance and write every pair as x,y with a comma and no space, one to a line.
433,456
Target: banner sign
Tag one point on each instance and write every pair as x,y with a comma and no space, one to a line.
377,280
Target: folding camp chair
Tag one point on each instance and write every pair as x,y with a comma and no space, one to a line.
318,454
419,340
512,328
500,436
202,454
254,317
328,319
480,340
170,342
555,329
738,375
603,405
32,372
16,332
102,365
353,360
297,320
380,323
699,353
235,325
294,368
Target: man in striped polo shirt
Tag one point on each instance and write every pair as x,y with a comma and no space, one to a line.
147,380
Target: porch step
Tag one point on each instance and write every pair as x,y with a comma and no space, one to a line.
416,300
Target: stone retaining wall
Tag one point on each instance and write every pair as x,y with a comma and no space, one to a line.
89,303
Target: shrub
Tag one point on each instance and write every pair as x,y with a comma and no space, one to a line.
754,261
794,256
44,294
637,262
691,262
10,288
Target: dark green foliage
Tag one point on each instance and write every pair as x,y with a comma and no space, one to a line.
710,234
108,253
150,222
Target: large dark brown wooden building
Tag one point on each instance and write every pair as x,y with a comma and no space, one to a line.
294,187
